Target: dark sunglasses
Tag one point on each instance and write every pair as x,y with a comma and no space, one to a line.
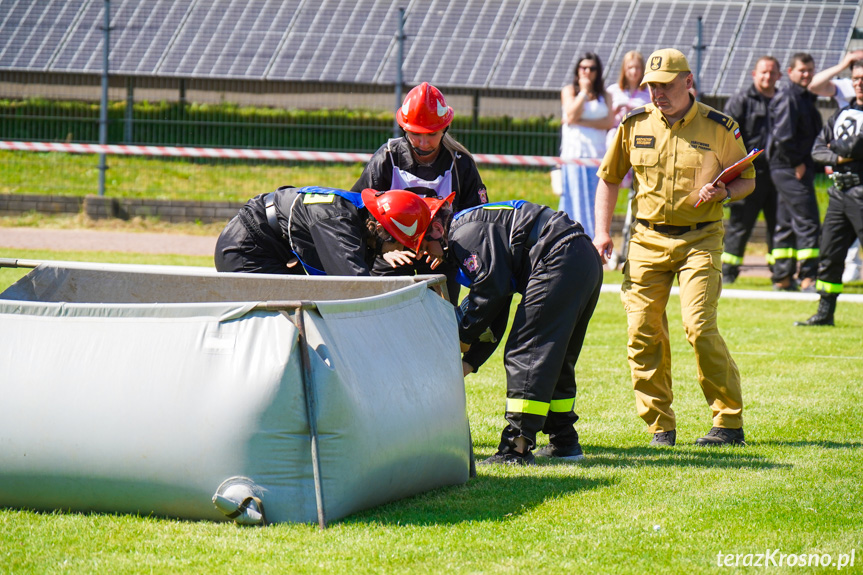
589,68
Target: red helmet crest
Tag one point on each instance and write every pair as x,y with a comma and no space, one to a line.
424,110
435,204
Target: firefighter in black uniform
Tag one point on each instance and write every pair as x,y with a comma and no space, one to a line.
517,246
428,161
840,145
749,108
310,230
795,123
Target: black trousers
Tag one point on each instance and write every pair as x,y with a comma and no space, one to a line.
545,341
843,222
798,227
742,218
243,247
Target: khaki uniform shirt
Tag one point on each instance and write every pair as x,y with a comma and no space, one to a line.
670,164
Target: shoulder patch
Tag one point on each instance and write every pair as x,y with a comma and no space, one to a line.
633,113
726,121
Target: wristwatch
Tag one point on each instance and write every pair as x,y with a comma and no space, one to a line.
727,198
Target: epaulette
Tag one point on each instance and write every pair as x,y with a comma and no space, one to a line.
726,121
635,112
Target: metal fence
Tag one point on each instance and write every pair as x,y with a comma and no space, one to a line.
300,116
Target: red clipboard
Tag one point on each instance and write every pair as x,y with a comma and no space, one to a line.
732,172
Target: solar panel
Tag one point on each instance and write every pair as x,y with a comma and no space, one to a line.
543,50
139,43
31,32
781,28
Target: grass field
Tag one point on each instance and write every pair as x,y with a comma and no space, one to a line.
796,489
207,180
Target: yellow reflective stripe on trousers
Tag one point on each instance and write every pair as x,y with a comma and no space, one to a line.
526,406
731,259
828,287
562,405
808,254
771,259
781,253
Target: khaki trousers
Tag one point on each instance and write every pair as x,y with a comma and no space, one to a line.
695,258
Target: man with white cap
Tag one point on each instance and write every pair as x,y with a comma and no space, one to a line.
676,148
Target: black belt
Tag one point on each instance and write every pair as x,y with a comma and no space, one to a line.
673,230
272,218
538,225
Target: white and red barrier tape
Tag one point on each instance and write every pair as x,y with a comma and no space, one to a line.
247,154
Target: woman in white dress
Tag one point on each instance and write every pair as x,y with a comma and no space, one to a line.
587,117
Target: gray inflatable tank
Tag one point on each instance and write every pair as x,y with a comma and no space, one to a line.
188,393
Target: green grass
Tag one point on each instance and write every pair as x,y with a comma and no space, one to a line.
797,487
169,179
234,181
223,181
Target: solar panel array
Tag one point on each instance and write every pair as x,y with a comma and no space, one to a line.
488,44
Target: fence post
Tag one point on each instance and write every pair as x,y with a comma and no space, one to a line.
699,50
103,111
400,40
130,109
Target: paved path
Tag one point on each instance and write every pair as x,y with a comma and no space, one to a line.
166,243
93,240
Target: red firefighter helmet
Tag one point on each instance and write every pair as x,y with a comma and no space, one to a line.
424,110
435,204
403,214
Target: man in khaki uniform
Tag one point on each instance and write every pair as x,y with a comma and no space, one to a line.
676,147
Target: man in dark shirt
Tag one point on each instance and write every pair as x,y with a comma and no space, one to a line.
795,123
749,108
840,145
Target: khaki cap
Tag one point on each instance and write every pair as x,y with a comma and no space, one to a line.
664,65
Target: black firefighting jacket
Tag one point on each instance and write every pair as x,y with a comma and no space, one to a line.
750,109
496,247
466,181
324,229
795,123
843,133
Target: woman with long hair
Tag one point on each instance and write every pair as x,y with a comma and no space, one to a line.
586,118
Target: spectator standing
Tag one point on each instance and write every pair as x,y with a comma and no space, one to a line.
840,145
428,161
842,90
795,123
749,108
586,118
626,95
674,238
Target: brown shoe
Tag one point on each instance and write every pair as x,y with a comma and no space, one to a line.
786,284
807,285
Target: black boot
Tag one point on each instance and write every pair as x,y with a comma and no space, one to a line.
824,315
730,273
